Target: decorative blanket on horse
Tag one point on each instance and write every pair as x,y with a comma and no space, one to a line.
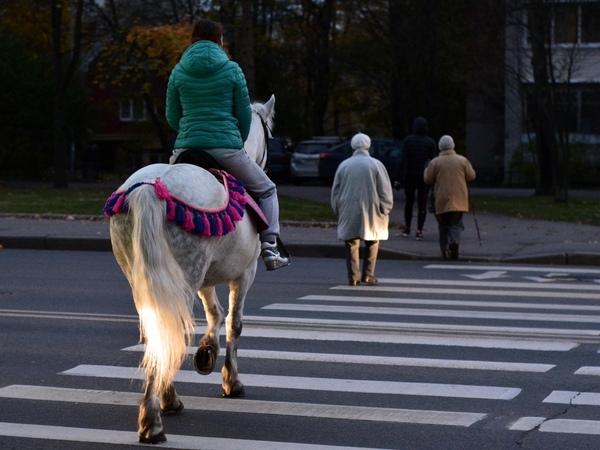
205,222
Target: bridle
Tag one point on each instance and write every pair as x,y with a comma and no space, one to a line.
265,159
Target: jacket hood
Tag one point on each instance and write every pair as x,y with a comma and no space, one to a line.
203,58
420,126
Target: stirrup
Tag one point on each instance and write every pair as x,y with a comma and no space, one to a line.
275,256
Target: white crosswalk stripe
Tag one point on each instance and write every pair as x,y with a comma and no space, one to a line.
318,384
277,332
568,426
114,437
249,406
497,315
467,291
573,398
383,360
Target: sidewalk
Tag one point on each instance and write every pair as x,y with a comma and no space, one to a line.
504,239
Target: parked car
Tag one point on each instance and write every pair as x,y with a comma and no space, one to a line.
280,152
387,151
304,164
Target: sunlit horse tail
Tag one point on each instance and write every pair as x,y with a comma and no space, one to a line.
162,296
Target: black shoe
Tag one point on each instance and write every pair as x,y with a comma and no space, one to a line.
354,283
419,236
453,251
369,280
406,232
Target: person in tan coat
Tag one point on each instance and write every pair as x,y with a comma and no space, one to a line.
450,173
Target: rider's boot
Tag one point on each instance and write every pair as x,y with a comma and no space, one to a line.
272,257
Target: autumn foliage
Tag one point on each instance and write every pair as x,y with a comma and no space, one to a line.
142,57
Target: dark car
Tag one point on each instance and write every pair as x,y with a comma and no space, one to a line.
305,159
280,152
387,151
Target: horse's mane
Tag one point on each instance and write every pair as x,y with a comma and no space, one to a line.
257,107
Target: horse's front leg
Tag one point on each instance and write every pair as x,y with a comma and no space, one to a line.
150,428
232,385
208,350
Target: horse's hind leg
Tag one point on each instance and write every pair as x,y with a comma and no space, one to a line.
150,425
232,385
208,350
170,401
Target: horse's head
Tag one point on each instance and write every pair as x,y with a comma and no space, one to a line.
260,131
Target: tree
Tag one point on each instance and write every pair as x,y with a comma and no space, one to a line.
45,42
65,64
247,47
543,71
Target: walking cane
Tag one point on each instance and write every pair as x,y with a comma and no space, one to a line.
474,215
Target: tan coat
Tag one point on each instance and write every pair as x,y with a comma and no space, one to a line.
362,198
450,173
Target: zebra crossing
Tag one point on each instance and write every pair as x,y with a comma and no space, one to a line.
386,315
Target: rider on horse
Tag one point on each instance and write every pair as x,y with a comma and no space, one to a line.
209,107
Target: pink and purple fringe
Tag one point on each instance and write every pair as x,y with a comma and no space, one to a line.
205,222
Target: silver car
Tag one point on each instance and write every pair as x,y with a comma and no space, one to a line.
304,164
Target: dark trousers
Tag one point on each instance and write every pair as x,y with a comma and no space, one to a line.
369,259
410,186
450,226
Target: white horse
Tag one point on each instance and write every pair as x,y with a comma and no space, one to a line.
166,265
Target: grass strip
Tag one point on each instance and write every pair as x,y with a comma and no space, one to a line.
577,210
90,202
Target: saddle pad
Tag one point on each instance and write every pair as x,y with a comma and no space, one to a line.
203,222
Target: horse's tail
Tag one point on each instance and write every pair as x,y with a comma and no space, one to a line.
163,298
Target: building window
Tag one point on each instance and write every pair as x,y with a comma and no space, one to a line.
580,112
132,110
576,23
589,111
590,22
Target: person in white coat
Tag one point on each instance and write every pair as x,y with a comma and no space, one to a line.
362,198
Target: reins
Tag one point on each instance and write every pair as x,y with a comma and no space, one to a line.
265,156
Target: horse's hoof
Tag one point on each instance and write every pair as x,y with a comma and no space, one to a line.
237,391
171,410
205,360
160,437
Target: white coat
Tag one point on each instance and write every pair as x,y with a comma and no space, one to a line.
362,198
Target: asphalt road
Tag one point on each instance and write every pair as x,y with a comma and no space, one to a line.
435,357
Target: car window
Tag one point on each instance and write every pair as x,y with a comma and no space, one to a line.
275,146
312,149
345,149
387,149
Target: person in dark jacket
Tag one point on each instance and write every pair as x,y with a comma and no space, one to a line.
209,107
418,149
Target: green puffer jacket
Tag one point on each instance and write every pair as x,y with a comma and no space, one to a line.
207,99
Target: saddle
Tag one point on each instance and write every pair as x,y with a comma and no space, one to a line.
198,157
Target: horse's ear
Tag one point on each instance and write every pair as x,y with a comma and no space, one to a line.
270,106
